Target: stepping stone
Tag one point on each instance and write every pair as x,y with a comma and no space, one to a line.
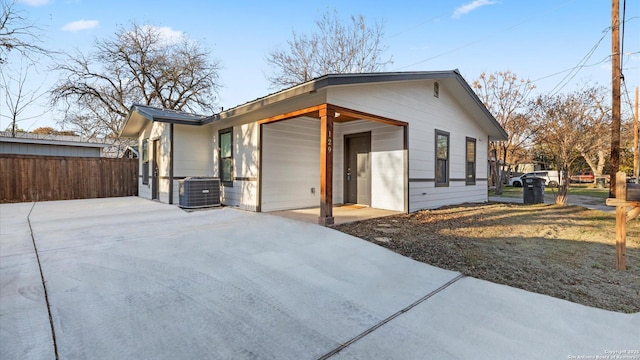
383,239
388,230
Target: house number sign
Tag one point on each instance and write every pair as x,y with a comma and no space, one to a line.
329,140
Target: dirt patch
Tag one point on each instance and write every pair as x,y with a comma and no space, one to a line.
566,252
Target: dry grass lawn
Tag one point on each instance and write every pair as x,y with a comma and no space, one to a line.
566,252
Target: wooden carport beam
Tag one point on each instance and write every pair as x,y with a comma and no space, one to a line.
293,114
365,116
327,116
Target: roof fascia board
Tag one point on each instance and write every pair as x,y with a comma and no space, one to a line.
177,121
139,110
484,109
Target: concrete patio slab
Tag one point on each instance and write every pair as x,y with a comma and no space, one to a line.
131,278
341,214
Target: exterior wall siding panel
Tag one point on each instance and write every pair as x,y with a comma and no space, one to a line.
288,151
291,164
414,103
387,164
244,190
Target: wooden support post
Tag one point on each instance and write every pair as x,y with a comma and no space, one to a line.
621,221
327,116
614,159
636,143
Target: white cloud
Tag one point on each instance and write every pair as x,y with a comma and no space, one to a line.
467,8
80,25
35,2
167,34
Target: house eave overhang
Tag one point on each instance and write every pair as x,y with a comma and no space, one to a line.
474,106
329,80
141,115
495,131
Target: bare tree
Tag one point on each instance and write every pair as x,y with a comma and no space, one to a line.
338,47
17,97
572,123
137,65
506,97
595,150
19,34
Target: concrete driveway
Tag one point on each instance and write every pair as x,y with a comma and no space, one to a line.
128,278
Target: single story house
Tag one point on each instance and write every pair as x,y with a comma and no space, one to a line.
49,145
400,141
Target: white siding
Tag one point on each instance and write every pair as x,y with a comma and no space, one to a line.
154,131
192,150
244,192
291,164
387,163
290,173
414,103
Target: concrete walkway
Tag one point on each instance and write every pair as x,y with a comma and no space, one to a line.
584,201
128,278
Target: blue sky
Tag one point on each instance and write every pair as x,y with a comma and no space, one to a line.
536,39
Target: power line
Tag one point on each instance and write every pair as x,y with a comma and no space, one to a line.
606,59
626,94
415,26
624,15
580,65
483,38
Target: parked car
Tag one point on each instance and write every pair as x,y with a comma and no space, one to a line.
582,177
551,178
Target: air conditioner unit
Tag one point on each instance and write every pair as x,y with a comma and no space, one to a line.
199,192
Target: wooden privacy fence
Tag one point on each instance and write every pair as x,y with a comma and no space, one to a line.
40,178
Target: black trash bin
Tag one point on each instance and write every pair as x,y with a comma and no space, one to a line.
533,190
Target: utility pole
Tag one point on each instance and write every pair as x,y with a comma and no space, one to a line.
615,95
636,150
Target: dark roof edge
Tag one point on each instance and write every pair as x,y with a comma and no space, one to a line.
167,115
480,104
313,85
163,115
